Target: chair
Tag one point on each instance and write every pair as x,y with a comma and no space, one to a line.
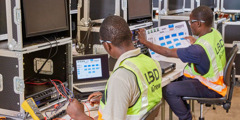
229,80
151,114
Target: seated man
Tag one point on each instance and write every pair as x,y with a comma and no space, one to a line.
135,84
203,75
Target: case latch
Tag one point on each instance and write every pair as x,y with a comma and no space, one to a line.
124,5
17,16
1,83
18,85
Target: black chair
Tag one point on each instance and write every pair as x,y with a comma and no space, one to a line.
229,80
151,114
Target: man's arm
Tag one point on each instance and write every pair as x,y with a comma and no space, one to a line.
156,48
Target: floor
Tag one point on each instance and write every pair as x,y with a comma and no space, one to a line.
210,114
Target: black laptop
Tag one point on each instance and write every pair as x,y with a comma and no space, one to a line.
91,73
167,67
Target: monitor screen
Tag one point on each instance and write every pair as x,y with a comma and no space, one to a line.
209,3
45,16
231,4
138,9
3,21
89,68
100,9
175,4
156,3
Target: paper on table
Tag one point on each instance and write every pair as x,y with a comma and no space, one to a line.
170,36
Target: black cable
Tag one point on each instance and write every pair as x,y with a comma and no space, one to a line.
89,33
56,47
39,70
81,48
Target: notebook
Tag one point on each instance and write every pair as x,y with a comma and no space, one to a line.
91,72
167,67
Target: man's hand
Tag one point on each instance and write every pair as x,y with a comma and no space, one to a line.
75,109
95,98
142,36
191,39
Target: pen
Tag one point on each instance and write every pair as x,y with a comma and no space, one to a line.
95,97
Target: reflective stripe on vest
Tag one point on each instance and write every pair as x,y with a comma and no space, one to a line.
140,65
214,78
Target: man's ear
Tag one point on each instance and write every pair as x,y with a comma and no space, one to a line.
107,46
199,24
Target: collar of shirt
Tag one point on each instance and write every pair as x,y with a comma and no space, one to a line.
125,55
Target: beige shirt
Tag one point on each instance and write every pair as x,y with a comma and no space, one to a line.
122,91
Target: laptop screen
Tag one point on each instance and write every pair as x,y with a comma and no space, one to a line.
90,68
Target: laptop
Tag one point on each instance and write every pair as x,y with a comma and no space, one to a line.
167,67
91,72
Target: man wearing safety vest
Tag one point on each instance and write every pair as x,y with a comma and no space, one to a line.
134,87
203,75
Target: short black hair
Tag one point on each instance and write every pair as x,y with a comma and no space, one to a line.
116,30
203,13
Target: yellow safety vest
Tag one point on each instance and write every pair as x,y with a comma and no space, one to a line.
149,77
213,45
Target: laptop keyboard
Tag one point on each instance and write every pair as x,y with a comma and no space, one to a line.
91,87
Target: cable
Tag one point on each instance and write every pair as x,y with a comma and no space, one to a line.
71,93
56,47
40,69
60,83
87,108
32,83
79,44
64,92
58,119
89,32
57,89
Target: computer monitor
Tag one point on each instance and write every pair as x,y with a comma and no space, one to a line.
3,21
45,16
231,6
175,6
139,10
90,68
209,3
156,3
100,9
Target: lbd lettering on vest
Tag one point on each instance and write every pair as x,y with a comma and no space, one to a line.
151,76
220,46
